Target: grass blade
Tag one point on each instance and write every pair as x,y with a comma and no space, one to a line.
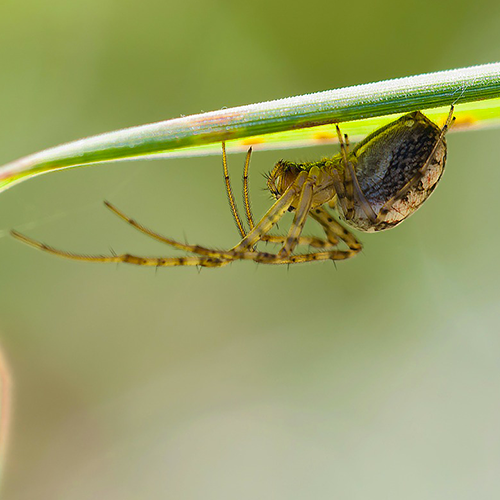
277,123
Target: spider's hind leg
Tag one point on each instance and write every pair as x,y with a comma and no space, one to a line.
311,241
422,171
352,189
335,231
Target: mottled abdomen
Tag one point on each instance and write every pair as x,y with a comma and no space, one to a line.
387,160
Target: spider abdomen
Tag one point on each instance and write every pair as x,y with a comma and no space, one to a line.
389,165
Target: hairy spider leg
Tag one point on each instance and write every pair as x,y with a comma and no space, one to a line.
386,208
348,183
126,258
352,182
314,257
163,239
208,257
312,241
301,213
229,191
304,240
271,238
170,261
274,214
335,231
246,192
330,225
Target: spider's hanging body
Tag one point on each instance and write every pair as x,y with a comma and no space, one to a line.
377,185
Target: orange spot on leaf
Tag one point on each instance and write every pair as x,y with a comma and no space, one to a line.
465,121
323,136
252,141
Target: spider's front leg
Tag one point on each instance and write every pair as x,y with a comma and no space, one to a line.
334,232
331,227
305,183
272,216
127,258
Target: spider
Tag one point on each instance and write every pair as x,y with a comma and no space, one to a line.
374,187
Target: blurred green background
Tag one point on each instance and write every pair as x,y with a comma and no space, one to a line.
377,378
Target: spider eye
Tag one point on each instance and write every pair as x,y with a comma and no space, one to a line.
282,176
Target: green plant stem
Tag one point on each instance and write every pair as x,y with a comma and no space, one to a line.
351,103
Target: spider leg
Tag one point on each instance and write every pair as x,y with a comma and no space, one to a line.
126,258
347,199
331,227
229,191
273,259
317,256
266,223
214,258
306,182
301,213
198,249
273,215
334,254
207,257
334,230
339,186
293,237
312,241
386,208
163,239
351,181
246,192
